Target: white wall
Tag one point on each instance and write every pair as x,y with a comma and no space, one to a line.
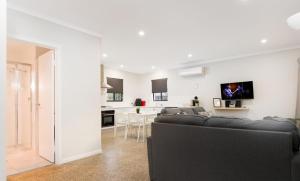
131,87
275,79
2,86
77,83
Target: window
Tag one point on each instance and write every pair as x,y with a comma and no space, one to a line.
160,90
162,96
115,94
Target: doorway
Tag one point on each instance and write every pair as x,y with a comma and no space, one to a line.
29,107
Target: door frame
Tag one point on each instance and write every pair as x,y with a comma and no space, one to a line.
57,91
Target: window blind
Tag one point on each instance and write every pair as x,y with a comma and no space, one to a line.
160,85
117,85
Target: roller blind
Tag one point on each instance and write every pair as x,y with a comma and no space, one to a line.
160,85
117,85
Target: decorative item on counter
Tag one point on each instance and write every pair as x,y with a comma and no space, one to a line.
217,102
138,110
196,101
138,102
143,103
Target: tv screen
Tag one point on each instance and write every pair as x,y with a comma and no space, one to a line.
237,90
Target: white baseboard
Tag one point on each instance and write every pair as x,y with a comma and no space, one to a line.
79,156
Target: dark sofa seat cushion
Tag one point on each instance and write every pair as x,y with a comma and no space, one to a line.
182,119
182,110
187,110
198,109
171,111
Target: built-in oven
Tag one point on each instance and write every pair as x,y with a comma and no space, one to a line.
108,118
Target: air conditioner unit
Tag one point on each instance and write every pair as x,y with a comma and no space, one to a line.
195,71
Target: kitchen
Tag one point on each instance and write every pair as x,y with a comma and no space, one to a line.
120,94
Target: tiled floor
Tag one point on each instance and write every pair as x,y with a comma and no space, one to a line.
20,159
121,160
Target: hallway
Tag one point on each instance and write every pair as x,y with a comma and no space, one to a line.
122,160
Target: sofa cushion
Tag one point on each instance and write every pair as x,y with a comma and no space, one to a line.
171,111
198,109
182,119
187,110
183,110
205,114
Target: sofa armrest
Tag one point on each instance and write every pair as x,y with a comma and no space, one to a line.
150,160
296,167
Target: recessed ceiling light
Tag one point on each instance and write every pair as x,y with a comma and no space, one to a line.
263,41
121,66
153,67
190,55
142,33
294,21
104,55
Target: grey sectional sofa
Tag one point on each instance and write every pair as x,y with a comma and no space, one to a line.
189,147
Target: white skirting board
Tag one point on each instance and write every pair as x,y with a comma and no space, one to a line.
79,156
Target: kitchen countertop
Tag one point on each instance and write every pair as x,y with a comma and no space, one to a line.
130,107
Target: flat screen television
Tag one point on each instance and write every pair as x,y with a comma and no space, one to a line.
237,90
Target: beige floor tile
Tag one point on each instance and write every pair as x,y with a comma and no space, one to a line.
121,160
20,159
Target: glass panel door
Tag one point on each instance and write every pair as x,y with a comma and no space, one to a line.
19,108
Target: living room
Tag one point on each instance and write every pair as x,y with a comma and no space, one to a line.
270,72
154,90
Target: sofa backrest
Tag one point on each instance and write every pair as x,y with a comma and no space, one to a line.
182,119
186,152
283,125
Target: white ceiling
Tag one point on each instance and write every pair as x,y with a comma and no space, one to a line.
209,29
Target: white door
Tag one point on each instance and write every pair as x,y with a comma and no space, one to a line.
46,105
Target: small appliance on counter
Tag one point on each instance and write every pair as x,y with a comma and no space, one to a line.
143,103
196,101
139,102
